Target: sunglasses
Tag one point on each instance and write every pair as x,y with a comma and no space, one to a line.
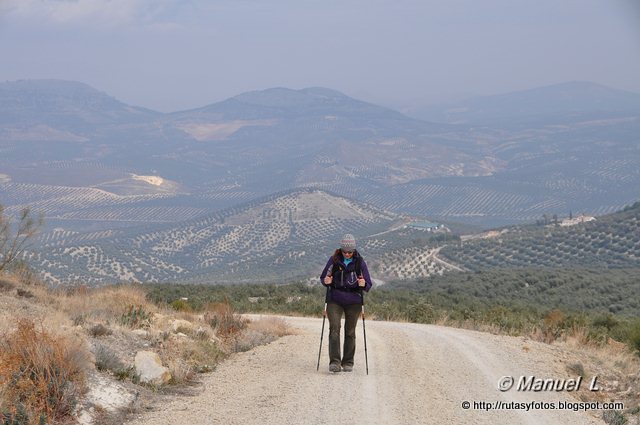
347,252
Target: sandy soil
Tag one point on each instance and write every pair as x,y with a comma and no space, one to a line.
418,374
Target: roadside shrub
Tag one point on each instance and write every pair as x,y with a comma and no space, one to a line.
6,285
200,334
107,360
598,335
223,320
577,368
272,326
262,331
24,274
99,330
252,338
185,359
614,417
42,377
24,293
634,338
181,305
606,321
203,356
506,319
421,312
78,319
552,325
136,317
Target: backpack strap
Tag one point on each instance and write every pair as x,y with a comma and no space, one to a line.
358,267
335,267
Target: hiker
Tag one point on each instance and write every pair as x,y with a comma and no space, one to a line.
346,276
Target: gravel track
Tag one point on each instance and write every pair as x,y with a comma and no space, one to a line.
418,374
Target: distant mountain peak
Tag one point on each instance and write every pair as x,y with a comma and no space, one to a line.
63,104
583,89
325,92
53,87
284,103
573,101
285,97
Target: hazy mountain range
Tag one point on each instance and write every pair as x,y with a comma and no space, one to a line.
94,164
560,103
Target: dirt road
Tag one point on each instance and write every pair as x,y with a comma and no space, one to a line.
434,256
418,374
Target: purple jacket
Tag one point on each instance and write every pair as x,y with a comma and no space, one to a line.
347,296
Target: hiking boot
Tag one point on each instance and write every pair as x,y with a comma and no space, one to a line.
334,368
347,368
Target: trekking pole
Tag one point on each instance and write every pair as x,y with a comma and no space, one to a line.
364,330
324,317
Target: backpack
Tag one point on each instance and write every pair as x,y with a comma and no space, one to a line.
348,281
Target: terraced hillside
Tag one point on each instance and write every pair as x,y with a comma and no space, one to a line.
611,241
288,236
277,238
538,170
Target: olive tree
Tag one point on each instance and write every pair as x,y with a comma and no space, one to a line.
15,234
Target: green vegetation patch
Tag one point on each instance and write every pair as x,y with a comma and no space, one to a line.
593,291
555,302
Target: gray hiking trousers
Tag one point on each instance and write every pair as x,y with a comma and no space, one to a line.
351,314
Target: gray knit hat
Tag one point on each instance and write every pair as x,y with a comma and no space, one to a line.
348,242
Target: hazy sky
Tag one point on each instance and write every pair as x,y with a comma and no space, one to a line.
170,55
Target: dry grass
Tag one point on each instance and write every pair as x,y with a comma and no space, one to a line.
80,306
262,331
275,326
107,360
42,376
99,330
104,304
13,307
42,371
223,320
186,357
617,370
7,284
